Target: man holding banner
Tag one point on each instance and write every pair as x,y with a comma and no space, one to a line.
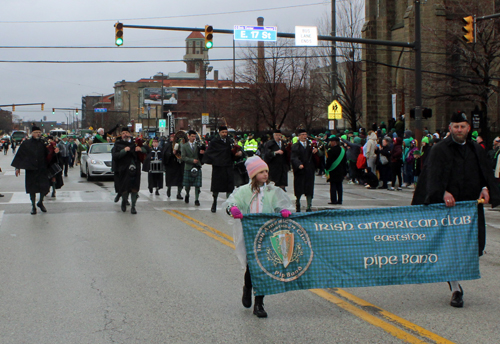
457,170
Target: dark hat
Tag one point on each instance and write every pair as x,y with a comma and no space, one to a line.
222,127
276,131
155,138
33,128
300,131
458,117
126,129
335,138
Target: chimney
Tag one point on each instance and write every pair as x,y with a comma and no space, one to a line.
216,78
261,55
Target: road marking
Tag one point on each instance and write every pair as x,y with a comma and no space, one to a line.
1,217
392,317
364,315
204,231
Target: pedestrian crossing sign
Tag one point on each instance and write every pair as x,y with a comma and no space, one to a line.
335,110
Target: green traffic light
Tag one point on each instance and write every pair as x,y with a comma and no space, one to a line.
119,41
209,45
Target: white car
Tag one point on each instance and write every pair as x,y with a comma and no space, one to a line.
97,162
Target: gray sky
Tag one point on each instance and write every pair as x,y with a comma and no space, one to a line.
90,24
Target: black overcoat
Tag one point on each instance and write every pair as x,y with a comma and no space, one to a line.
278,163
174,168
219,155
32,157
155,180
128,166
339,172
303,179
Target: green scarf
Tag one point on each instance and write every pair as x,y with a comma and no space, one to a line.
335,163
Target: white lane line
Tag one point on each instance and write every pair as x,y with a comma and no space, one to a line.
1,217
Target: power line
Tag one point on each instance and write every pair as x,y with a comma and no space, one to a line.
154,18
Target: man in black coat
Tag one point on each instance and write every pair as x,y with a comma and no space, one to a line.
33,156
219,155
277,159
336,169
457,170
174,166
302,159
128,164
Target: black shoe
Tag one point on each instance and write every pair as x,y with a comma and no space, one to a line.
150,190
65,175
117,198
133,211
157,193
457,298
214,207
124,206
33,210
128,203
42,207
53,194
179,196
332,203
2,195
308,210
259,311
168,193
197,203
246,299
186,199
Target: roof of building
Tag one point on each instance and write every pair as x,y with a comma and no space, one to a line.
196,34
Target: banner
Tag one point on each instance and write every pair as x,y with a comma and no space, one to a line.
362,247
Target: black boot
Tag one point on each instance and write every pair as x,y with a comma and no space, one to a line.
33,210
41,206
133,198
214,204
124,202
246,299
168,191
457,298
297,206
117,197
258,308
157,193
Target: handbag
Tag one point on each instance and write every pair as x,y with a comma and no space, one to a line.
361,161
194,172
54,170
132,169
383,160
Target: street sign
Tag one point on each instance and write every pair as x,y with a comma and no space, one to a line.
138,127
100,110
306,36
162,123
255,33
205,118
335,110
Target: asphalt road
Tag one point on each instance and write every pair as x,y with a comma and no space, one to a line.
84,272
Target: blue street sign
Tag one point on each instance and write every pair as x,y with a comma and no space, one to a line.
255,33
100,110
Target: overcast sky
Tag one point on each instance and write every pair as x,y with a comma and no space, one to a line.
90,24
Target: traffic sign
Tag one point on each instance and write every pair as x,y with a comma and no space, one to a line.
335,110
306,36
205,118
162,123
255,33
100,110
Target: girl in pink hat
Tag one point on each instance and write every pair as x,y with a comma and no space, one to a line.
258,196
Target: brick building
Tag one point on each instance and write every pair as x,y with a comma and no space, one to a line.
388,89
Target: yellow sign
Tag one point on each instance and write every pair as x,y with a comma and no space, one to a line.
90,128
335,110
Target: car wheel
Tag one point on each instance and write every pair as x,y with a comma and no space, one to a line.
89,178
81,173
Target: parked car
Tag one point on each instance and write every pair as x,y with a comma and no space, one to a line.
97,162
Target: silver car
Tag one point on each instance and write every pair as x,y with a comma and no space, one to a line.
97,162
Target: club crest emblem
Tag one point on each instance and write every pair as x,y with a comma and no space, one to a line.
283,249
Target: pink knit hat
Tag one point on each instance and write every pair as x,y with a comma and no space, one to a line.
255,165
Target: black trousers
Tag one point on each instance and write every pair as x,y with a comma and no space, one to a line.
336,191
248,281
64,162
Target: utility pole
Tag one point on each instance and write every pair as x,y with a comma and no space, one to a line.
334,51
418,74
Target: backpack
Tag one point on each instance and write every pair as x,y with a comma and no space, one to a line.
361,162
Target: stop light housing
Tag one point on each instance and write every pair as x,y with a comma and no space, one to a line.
118,34
209,36
42,106
469,29
13,108
53,111
77,112
142,109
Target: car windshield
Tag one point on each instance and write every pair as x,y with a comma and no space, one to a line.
98,149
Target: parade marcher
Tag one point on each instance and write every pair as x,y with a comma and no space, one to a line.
5,146
64,154
101,136
82,147
174,166
336,169
457,170
14,145
33,157
155,178
190,155
54,167
278,160
249,199
128,165
251,145
302,159
219,155
72,150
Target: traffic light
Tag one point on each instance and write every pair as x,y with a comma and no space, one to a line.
209,36
42,106
77,112
426,113
118,34
469,29
13,108
53,111
142,109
